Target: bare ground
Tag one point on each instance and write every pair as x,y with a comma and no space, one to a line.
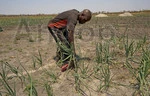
25,49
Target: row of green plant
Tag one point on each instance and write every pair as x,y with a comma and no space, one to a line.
8,21
135,52
9,73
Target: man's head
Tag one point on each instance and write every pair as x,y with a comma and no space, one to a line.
84,16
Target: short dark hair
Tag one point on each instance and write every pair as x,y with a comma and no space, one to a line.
88,13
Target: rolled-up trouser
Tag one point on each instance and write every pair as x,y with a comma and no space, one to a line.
63,46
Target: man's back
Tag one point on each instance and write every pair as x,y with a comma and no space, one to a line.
64,19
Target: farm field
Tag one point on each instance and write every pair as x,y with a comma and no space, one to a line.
113,57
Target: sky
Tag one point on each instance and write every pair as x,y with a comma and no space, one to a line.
10,7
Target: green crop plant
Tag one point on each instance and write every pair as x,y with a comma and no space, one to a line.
144,72
52,75
16,72
5,77
103,54
102,70
80,83
85,71
4,81
64,50
102,73
107,55
141,74
79,74
49,89
128,47
132,47
99,55
6,21
30,88
15,20
37,60
105,77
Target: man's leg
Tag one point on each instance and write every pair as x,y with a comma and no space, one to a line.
64,45
53,33
61,39
68,58
68,45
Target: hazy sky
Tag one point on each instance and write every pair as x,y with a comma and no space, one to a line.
57,6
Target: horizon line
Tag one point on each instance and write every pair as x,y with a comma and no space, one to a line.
92,12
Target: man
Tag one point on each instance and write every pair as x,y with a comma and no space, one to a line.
62,29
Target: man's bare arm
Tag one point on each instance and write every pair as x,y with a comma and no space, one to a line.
71,40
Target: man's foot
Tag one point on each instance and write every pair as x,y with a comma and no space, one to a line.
67,66
64,67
